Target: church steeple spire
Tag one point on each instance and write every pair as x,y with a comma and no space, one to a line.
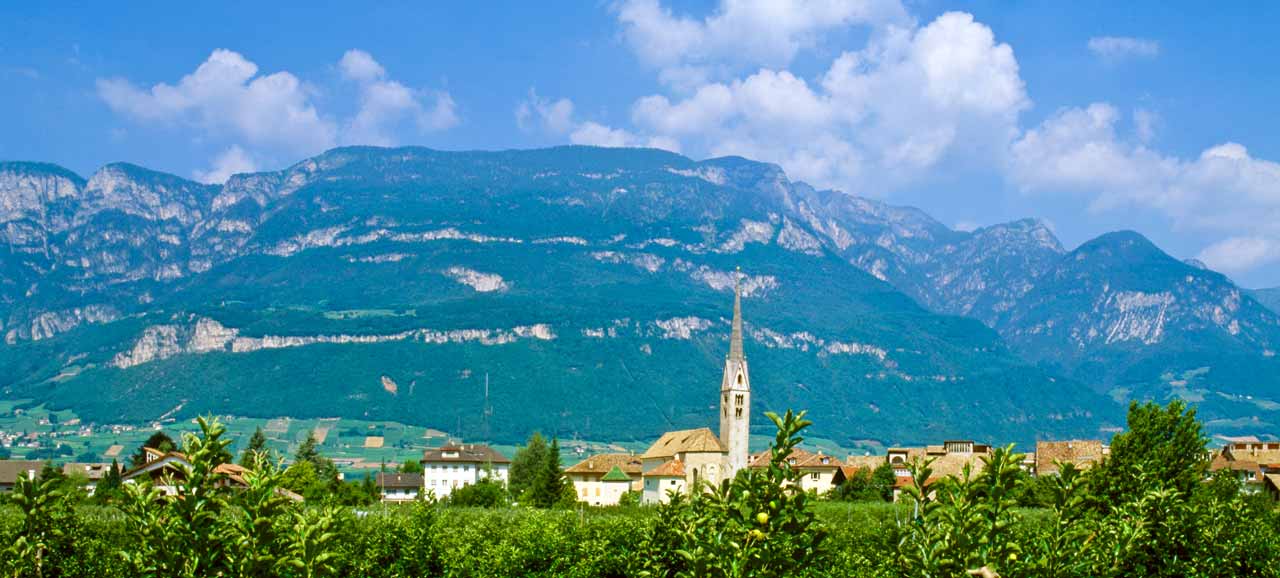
735,336
735,392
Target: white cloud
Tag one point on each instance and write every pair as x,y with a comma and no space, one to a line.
385,103
538,112
557,119
273,115
1224,190
233,160
877,117
740,32
1237,254
226,95
1145,123
360,66
1116,48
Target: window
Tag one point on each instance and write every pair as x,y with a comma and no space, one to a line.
739,379
597,492
738,399
814,476
737,412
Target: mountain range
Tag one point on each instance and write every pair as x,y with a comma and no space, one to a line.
593,288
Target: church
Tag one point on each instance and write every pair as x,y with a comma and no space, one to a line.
680,460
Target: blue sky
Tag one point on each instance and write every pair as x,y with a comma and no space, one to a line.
1152,116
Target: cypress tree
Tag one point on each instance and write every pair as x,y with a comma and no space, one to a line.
256,449
553,476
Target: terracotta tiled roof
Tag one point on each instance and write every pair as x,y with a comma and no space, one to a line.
671,469
1082,453
390,480
464,454
689,440
799,459
602,463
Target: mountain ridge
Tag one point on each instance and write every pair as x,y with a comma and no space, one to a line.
186,273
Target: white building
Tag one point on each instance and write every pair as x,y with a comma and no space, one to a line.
453,466
399,487
602,479
661,481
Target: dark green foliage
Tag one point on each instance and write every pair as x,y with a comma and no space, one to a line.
109,489
528,468
411,466
867,485
485,493
1162,449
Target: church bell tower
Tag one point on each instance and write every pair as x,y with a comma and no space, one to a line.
735,394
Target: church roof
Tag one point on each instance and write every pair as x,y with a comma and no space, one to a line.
689,440
616,475
671,469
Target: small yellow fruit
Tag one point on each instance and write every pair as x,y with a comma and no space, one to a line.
762,518
757,534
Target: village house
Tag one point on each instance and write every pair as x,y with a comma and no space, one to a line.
458,465
11,470
602,479
1255,463
948,459
682,460
818,472
1084,454
399,487
663,480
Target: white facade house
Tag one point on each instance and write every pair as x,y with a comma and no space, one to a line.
399,487
602,479
455,466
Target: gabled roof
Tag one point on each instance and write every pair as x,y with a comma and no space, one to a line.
388,480
689,440
11,469
616,475
464,454
671,469
602,463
